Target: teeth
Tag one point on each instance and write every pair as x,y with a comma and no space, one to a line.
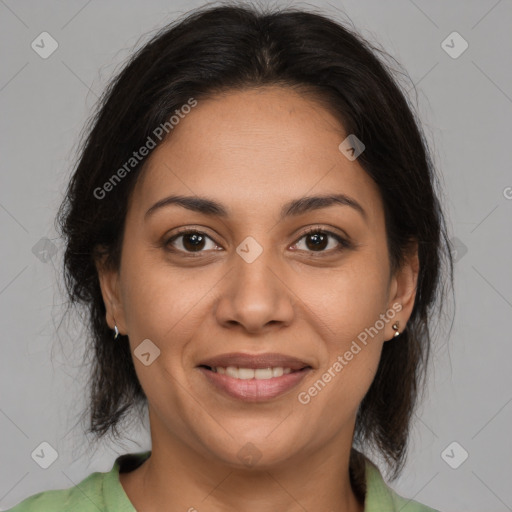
263,373
251,373
277,372
232,371
245,373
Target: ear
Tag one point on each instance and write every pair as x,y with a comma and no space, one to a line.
403,290
109,284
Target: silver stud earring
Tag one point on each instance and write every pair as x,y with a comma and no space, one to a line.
395,327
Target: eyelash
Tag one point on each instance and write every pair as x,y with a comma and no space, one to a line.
343,243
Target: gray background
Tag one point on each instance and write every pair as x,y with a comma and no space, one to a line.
465,103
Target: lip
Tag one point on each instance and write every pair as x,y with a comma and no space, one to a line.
254,390
255,361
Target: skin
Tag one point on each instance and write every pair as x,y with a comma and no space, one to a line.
252,151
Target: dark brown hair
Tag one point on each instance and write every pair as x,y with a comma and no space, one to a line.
216,49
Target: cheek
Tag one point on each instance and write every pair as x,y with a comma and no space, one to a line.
346,312
159,299
333,397
348,299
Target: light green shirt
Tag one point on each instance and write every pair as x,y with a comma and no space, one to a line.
104,492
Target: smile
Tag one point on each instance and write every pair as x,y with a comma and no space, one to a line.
251,373
253,385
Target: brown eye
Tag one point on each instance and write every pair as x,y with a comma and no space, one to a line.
193,242
190,241
318,240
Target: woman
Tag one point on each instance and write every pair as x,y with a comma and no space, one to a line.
254,228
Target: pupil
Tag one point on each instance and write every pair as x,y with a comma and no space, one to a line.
194,245
317,237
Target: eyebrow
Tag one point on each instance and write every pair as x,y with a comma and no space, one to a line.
292,208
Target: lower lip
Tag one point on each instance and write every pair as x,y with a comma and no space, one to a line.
254,390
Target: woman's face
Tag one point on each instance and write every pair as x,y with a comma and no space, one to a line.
253,282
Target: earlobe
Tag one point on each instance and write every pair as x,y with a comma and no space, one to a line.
109,284
404,285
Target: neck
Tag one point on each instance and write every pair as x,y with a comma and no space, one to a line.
179,475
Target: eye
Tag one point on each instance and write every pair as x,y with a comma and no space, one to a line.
317,240
192,241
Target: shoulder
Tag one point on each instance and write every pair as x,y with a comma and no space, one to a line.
84,497
406,505
95,493
380,497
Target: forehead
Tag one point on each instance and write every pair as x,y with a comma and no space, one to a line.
252,149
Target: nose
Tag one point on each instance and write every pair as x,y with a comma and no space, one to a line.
254,297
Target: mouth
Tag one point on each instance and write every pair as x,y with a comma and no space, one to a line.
252,373
254,378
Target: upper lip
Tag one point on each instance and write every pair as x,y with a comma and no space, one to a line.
267,360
